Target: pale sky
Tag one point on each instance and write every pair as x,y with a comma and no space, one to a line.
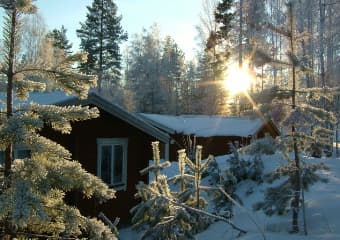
176,18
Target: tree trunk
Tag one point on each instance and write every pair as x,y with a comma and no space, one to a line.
321,41
101,36
297,175
10,80
337,138
330,47
9,108
240,37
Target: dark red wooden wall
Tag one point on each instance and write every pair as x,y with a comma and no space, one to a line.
83,146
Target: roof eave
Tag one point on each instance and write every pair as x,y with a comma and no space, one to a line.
119,113
157,124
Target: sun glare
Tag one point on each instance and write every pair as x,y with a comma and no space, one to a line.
238,79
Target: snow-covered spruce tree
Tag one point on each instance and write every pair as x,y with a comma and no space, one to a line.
157,212
157,166
190,193
297,135
222,191
182,178
33,188
174,215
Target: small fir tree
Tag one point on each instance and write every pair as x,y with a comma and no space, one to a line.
191,187
197,168
157,211
166,214
157,165
174,215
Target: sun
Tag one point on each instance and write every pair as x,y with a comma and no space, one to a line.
238,79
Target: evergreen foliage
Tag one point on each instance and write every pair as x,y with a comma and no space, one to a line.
157,75
222,204
165,214
172,73
33,188
162,218
157,165
296,119
278,198
60,40
100,36
224,17
157,211
266,146
242,169
282,198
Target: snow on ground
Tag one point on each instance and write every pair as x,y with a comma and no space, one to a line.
322,209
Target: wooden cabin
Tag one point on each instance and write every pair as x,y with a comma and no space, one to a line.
115,147
214,133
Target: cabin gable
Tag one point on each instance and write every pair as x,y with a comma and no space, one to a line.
92,138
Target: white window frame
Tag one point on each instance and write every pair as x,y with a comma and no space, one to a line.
113,141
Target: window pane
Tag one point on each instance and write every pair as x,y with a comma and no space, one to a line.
106,159
21,154
118,164
2,157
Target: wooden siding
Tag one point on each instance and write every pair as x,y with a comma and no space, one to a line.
83,146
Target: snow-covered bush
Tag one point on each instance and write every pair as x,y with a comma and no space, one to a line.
213,172
246,169
262,146
255,169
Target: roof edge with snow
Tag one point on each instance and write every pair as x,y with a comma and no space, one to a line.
208,126
118,112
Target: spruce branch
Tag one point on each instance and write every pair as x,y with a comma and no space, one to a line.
202,212
157,165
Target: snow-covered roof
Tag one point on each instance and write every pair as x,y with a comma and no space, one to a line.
44,98
60,98
205,126
118,112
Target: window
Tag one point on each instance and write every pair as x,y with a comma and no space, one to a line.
2,157
112,161
18,153
21,153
